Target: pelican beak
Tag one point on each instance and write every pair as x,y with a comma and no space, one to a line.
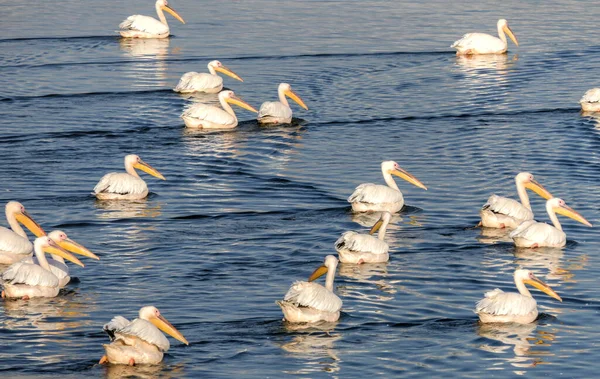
317,273
72,246
408,177
539,189
241,103
25,219
161,323
376,227
141,165
53,248
511,35
565,210
228,72
292,95
537,283
174,14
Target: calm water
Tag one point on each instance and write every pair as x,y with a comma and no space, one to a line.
244,213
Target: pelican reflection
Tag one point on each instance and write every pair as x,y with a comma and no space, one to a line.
114,209
316,347
475,64
149,68
551,260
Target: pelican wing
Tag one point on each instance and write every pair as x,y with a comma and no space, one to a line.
145,24
480,42
14,243
508,207
501,303
208,113
59,269
313,295
141,329
591,96
29,274
118,322
361,243
374,194
274,109
538,232
120,183
194,81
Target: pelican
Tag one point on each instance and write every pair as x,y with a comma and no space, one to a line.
364,248
590,101
138,26
203,82
482,43
211,117
27,280
139,341
521,308
126,185
311,302
502,212
14,244
57,263
279,112
369,197
539,234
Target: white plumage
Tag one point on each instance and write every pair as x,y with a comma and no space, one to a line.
119,328
126,185
353,247
590,101
482,43
210,117
14,244
203,82
29,274
138,26
313,295
279,112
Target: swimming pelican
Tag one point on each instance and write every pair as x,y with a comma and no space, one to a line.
203,82
14,244
138,26
364,248
369,197
502,212
311,302
27,280
57,263
279,112
539,234
139,341
521,308
211,117
126,185
482,43
590,101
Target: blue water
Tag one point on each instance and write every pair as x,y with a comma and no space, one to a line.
246,212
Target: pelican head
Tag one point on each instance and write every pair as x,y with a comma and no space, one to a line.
218,66
66,243
152,315
503,25
527,277
385,218
393,168
329,264
559,206
164,5
286,90
47,245
231,98
16,210
135,161
527,180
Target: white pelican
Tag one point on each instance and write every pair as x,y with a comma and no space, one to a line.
482,43
364,248
126,185
211,117
279,112
27,280
521,308
57,263
138,26
203,82
539,234
369,197
14,244
139,341
502,212
590,101
311,302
